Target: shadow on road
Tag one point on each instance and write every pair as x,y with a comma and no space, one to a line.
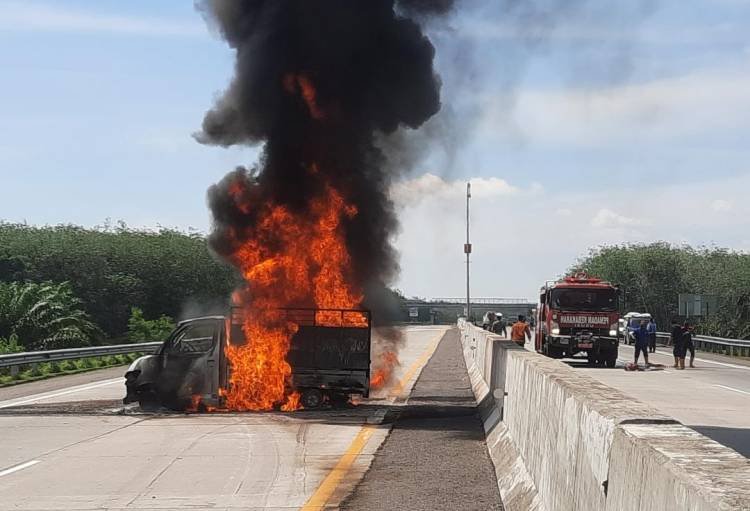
583,363
734,438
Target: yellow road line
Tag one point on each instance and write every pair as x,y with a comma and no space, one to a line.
332,480
319,499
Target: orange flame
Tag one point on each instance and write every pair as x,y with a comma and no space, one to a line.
292,403
384,367
294,83
287,259
197,405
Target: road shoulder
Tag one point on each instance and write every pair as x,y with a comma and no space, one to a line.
435,456
61,382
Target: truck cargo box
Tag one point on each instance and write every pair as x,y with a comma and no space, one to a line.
330,351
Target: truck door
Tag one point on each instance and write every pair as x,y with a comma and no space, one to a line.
189,364
541,313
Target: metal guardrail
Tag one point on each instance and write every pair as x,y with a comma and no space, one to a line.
35,357
732,347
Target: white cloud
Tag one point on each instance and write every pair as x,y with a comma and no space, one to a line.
34,16
721,205
608,219
695,104
429,185
521,239
570,31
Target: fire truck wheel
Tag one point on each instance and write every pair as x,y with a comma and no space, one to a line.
555,352
312,398
612,360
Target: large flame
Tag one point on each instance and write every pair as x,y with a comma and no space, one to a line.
288,259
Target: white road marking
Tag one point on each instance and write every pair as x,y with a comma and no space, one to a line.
42,397
733,389
22,466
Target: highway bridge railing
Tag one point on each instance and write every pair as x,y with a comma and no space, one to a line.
14,360
481,301
732,347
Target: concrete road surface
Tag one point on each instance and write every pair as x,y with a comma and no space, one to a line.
713,398
76,448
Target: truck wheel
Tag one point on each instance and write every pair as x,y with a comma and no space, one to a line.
148,402
147,399
339,400
555,352
311,398
612,360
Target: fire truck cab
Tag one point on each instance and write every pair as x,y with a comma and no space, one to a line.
579,314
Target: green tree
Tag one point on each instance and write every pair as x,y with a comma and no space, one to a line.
10,345
141,329
112,269
44,316
653,275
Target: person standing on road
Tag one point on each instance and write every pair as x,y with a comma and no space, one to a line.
651,327
499,326
641,343
520,330
686,341
676,340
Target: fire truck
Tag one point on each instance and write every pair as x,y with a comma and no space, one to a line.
579,315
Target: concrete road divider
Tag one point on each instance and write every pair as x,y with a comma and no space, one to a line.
560,440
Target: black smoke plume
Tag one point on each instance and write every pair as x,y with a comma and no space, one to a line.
372,69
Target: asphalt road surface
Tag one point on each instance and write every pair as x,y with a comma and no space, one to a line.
77,448
435,457
713,398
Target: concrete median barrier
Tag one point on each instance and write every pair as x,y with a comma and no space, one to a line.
561,440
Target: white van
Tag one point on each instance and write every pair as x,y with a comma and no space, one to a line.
633,322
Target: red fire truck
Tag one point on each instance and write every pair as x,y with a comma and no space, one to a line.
579,314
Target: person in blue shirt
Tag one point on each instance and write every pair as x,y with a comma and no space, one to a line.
651,327
641,342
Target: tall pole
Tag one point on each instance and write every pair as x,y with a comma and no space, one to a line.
467,250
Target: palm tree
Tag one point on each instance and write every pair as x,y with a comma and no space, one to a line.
44,316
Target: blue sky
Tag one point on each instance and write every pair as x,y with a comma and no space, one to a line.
594,123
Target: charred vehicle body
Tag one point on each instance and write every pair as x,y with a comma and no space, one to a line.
579,314
329,355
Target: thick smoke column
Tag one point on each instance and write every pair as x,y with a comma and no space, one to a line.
315,82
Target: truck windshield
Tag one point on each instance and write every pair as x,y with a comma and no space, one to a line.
584,299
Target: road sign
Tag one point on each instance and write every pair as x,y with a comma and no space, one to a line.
691,305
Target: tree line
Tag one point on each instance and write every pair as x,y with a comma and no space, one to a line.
653,275
63,285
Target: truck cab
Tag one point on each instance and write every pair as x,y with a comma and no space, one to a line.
579,315
329,355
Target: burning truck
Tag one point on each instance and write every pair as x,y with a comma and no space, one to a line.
326,91
328,357
579,314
